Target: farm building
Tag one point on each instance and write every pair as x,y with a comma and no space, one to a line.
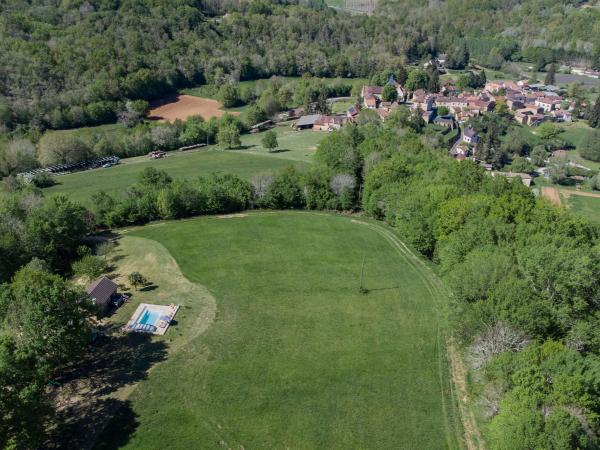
307,122
329,123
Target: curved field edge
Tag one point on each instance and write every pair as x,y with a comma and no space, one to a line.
416,265
89,402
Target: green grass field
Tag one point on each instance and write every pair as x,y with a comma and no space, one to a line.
81,185
342,106
296,357
293,145
588,207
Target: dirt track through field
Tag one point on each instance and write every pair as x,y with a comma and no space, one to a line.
551,194
554,194
183,106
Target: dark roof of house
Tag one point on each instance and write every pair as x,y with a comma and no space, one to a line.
443,119
101,290
470,132
308,120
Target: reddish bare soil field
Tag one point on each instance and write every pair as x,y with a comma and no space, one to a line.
183,106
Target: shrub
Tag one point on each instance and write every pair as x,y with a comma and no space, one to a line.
43,180
90,267
136,279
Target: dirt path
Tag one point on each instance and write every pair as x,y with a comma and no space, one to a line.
472,435
183,106
568,193
552,194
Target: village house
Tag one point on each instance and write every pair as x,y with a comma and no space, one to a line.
422,100
561,115
454,104
469,136
526,179
329,123
444,121
460,151
548,103
448,88
514,103
463,116
371,96
352,113
495,86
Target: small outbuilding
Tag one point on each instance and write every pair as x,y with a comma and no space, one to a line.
101,292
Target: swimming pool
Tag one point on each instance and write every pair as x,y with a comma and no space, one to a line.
149,317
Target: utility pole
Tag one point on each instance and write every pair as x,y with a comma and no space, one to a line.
362,288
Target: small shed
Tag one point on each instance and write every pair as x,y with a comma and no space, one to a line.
101,292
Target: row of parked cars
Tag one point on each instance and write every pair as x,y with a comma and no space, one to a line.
105,161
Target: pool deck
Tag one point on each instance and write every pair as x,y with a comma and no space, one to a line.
159,327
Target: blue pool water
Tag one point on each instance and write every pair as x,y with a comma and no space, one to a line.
149,317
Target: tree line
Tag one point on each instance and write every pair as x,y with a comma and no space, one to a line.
73,64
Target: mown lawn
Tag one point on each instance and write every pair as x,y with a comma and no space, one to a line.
588,207
293,145
296,358
81,185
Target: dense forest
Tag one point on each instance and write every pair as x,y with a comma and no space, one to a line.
69,64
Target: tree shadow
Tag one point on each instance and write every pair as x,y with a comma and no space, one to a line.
244,147
149,287
281,150
391,288
82,407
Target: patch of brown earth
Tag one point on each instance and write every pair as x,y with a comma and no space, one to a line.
183,106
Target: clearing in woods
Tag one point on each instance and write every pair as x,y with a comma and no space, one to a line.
81,186
183,106
296,357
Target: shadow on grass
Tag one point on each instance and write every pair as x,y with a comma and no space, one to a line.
280,150
84,413
391,288
149,287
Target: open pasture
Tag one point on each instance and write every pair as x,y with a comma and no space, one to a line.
81,185
296,357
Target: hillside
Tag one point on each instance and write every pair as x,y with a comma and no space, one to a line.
73,65
296,356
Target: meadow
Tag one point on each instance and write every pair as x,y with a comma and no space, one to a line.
295,149
589,207
295,356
